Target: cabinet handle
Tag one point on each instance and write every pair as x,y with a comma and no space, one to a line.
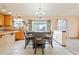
11,33
1,35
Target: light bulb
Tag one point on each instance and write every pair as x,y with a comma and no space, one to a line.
9,12
3,10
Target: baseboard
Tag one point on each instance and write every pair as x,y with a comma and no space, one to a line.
64,45
18,39
73,37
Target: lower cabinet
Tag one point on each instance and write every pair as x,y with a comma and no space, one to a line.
60,37
19,35
6,41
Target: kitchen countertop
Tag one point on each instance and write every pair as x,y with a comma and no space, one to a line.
7,32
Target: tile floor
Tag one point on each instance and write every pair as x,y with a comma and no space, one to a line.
73,45
18,49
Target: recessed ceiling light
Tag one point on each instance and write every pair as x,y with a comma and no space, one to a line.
9,12
3,10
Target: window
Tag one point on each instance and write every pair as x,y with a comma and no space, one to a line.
62,25
39,25
17,23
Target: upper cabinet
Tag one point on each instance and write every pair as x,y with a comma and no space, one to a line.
1,20
8,20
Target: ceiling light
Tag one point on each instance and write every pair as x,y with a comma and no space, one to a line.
9,12
3,10
40,13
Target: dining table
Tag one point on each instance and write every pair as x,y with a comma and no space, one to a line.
38,40
38,35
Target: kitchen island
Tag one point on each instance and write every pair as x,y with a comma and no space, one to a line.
60,37
7,39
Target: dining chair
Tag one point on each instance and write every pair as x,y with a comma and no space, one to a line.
49,38
28,38
39,39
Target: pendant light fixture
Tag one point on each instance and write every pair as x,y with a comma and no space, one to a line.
40,12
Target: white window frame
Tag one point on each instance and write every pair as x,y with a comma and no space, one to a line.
18,23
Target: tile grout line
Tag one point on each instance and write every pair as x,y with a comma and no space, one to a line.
65,48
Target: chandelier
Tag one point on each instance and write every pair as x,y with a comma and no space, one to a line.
40,12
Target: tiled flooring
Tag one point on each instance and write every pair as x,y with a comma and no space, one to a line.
73,45
18,49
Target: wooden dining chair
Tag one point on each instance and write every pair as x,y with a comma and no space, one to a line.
39,39
49,37
28,38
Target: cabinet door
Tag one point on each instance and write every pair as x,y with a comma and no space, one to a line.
19,35
8,20
1,20
6,41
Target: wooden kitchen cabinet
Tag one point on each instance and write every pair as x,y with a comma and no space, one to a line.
8,20
1,20
19,35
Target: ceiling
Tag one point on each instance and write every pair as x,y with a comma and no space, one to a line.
52,9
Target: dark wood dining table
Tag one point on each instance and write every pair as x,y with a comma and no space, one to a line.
38,40
38,35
